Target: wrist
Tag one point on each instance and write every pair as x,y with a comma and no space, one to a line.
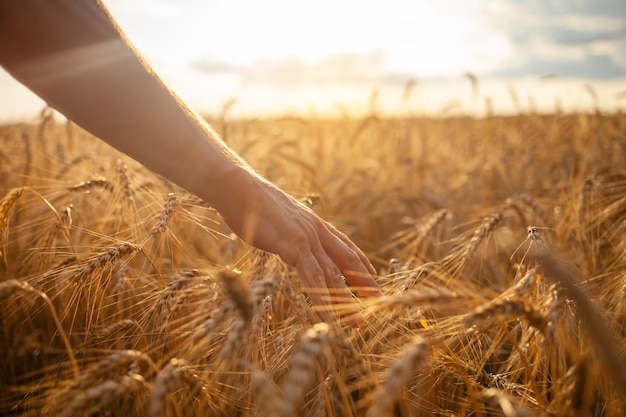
231,192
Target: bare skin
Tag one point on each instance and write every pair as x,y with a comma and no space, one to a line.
72,54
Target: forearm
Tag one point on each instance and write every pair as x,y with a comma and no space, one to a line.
71,54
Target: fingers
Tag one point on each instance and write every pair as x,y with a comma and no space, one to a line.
346,240
322,255
321,269
314,285
328,292
352,263
340,295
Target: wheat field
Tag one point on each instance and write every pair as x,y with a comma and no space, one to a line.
500,245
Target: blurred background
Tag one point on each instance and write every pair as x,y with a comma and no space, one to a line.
349,57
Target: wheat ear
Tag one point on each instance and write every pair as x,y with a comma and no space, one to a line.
107,366
509,409
122,171
94,399
6,204
166,215
119,326
237,289
418,297
87,186
483,317
487,226
169,380
107,258
266,392
397,376
175,286
314,349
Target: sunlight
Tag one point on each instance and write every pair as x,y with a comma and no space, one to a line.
280,56
223,49
419,37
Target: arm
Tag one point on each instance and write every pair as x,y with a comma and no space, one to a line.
72,54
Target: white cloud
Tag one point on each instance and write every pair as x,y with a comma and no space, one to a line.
348,68
210,51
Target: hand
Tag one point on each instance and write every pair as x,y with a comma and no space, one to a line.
122,102
271,220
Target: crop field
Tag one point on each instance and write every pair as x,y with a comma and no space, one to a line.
500,245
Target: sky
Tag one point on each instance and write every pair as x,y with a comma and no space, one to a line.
349,57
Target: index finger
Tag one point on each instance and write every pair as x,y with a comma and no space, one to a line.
356,271
323,283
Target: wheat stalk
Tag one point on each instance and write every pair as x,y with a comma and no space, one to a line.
8,287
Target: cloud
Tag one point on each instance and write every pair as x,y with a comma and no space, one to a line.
584,39
343,68
571,36
591,8
213,67
597,67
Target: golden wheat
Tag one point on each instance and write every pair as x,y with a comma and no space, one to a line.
499,244
312,355
396,376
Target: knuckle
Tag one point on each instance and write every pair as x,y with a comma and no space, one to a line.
333,273
293,249
352,260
